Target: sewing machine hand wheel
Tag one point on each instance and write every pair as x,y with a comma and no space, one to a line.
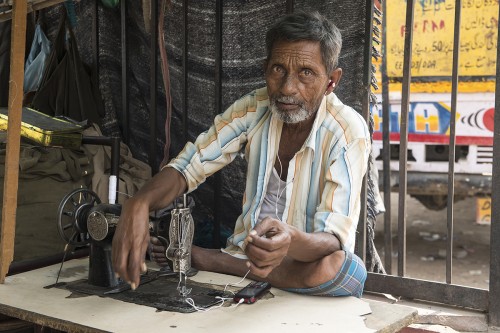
72,216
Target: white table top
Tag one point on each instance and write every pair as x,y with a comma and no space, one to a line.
23,296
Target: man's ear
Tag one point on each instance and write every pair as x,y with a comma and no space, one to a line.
334,80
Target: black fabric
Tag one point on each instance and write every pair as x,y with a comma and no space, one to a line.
160,293
5,32
67,87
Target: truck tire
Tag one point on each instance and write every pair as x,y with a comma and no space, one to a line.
436,201
432,202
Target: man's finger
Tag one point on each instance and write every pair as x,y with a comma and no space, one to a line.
156,241
158,249
145,246
273,243
120,259
135,260
133,271
261,257
261,272
160,260
264,226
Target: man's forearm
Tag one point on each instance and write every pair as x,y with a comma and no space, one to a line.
214,260
289,274
162,189
309,247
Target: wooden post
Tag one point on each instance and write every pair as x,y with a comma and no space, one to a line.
17,51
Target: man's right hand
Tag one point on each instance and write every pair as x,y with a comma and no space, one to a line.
131,241
267,246
131,238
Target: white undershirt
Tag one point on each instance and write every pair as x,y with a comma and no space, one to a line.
274,199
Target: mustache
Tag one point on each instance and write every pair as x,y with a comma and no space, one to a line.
288,100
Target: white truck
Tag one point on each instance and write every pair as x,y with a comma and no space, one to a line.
430,98
428,145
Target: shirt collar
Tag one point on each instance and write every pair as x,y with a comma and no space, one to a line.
311,138
320,116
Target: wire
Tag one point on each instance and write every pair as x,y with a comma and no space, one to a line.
239,302
280,192
190,301
221,299
235,284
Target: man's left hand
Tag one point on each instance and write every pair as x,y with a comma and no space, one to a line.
267,246
157,252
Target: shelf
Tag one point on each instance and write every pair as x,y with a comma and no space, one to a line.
6,7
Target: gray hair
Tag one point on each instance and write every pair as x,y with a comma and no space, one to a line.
308,26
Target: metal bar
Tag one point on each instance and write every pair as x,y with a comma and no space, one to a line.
153,132
494,296
386,148
114,143
95,36
451,158
444,293
125,125
218,109
115,159
367,79
97,140
11,182
185,55
289,6
403,153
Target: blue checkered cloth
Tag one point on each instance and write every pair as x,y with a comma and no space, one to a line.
349,281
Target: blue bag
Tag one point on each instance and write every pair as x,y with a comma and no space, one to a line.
35,63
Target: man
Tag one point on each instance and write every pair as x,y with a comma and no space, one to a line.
307,154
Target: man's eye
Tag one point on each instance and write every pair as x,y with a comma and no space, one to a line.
307,72
277,69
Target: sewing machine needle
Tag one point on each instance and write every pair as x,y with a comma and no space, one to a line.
183,290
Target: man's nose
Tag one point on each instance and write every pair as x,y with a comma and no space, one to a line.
289,85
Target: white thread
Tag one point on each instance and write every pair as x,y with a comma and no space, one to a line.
183,290
123,193
280,194
112,189
191,302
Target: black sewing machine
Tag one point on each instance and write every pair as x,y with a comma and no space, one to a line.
84,219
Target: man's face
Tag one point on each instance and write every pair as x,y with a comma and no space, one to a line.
296,80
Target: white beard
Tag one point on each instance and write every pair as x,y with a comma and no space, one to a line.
287,116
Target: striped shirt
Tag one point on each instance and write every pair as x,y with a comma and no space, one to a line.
325,175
